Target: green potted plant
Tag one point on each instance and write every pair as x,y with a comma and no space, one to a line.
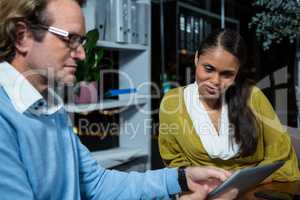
276,20
88,70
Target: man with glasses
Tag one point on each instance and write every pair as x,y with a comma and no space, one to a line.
72,39
41,158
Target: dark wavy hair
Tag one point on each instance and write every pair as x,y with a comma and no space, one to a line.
237,95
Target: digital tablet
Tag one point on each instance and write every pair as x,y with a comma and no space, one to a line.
246,178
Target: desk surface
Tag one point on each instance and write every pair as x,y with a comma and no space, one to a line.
292,187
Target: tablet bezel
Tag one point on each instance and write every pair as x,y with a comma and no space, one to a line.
246,178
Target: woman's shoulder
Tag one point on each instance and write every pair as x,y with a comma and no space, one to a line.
260,103
174,91
173,98
256,94
174,94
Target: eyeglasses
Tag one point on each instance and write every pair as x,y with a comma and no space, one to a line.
73,40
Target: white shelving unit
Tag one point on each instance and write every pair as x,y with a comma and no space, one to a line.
135,120
117,156
106,104
122,47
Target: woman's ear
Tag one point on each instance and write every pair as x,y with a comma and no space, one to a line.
23,38
196,58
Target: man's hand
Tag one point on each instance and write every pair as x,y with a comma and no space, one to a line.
202,180
267,180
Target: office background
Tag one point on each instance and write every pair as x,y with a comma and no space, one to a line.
148,48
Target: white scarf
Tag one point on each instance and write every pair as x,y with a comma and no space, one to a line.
221,146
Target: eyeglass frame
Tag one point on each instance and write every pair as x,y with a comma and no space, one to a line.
65,36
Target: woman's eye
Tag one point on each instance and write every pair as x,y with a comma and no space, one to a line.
208,68
227,74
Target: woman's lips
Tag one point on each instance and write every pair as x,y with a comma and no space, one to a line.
212,90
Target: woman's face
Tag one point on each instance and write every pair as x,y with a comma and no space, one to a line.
216,70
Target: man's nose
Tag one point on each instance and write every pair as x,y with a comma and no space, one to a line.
78,53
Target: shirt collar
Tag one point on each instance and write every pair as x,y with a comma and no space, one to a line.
23,95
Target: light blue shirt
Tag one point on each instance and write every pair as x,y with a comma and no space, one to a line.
42,159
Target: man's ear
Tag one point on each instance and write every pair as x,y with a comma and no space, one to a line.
23,38
196,59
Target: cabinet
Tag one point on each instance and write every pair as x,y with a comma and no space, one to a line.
134,124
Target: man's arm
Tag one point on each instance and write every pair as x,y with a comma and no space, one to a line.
14,182
99,183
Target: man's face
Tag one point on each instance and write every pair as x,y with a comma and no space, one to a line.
53,54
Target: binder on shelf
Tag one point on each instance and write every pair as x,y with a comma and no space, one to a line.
115,23
101,18
134,29
188,33
207,28
127,21
204,28
143,12
182,19
201,29
89,12
192,39
196,34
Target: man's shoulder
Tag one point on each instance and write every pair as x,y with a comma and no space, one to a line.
7,111
5,102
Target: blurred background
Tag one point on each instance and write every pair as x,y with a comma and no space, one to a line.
148,48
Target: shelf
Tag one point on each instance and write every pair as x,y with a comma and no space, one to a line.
106,104
121,46
206,13
117,156
131,113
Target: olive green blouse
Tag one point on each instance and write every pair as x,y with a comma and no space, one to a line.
180,145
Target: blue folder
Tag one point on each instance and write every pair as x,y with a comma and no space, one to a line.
116,92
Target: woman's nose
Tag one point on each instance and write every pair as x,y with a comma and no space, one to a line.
216,79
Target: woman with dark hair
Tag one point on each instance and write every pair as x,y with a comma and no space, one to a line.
223,119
